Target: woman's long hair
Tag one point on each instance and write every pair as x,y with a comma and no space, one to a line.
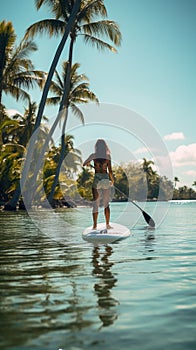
101,150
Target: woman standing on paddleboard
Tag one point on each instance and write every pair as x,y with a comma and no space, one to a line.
103,179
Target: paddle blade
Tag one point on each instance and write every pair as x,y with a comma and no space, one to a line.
148,219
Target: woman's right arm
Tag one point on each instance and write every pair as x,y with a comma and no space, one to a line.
88,160
110,171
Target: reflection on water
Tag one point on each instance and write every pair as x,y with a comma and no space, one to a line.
138,294
45,286
38,292
105,282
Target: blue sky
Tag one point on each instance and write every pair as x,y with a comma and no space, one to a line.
153,73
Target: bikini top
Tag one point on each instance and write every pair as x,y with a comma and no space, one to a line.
101,165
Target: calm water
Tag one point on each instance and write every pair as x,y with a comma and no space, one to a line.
66,294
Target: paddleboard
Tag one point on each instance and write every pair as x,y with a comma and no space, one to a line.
102,235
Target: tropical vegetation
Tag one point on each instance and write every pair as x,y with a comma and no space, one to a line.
70,18
136,181
50,172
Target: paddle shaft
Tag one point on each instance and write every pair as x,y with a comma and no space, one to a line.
146,216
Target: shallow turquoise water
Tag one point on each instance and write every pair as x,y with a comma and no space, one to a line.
59,292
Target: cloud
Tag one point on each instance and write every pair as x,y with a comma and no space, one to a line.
174,136
184,155
190,173
141,150
150,150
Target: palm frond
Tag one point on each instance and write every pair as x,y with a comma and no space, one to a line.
25,48
107,28
28,79
17,92
53,100
58,78
90,9
46,26
100,44
10,148
77,112
62,8
8,123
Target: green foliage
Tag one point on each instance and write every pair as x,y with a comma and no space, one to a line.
10,164
138,182
84,183
17,75
184,192
17,72
69,167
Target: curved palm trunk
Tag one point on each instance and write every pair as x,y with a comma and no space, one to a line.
62,109
11,205
64,104
49,79
55,62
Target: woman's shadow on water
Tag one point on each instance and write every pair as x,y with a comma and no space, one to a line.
105,282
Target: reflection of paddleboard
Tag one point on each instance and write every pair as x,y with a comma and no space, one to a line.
103,235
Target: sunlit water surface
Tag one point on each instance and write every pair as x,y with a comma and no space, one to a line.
139,294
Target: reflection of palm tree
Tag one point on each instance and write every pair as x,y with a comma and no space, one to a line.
106,303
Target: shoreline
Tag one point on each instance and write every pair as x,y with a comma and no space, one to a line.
64,205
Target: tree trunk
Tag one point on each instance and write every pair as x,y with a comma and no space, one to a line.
64,104
13,202
55,62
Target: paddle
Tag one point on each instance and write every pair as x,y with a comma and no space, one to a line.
146,216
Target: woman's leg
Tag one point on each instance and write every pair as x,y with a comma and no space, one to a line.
95,206
106,200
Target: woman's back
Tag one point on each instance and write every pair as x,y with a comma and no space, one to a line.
101,165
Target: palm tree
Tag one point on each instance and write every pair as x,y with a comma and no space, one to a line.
70,21
16,75
70,10
27,122
16,70
7,129
84,183
194,184
68,4
19,128
11,157
152,178
79,93
79,89
82,25
176,179
72,159
17,131
147,167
